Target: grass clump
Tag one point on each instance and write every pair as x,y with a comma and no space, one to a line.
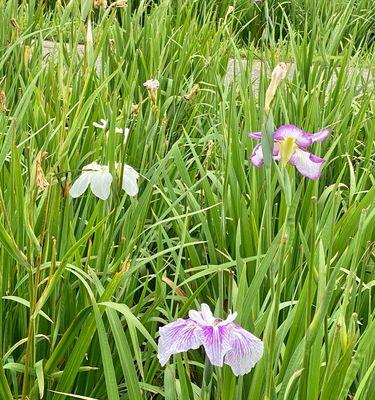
86,283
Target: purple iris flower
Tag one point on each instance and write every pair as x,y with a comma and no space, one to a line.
297,142
224,341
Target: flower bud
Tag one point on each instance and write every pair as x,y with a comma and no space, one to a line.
278,74
3,102
40,180
100,3
136,108
229,11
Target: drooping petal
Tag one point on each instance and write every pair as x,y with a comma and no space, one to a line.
256,157
255,135
176,337
292,131
318,136
80,185
246,350
129,180
307,164
101,184
216,342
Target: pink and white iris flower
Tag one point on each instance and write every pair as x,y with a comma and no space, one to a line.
224,341
290,145
152,85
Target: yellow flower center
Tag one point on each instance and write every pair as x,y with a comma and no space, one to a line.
286,148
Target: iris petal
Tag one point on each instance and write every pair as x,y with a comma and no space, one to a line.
101,184
256,157
177,337
216,342
202,317
80,185
318,136
307,164
207,313
255,135
129,180
292,131
246,350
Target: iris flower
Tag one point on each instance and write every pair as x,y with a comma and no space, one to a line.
290,145
223,340
152,85
99,179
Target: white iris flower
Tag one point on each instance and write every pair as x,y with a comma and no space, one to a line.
100,179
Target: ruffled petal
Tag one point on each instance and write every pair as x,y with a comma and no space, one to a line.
307,164
203,317
177,337
207,313
318,136
216,342
255,135
129,180
246,350
230,318
101,184
197,317
80,185
256,157
292,131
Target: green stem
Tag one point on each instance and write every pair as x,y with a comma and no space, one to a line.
274,314
310,294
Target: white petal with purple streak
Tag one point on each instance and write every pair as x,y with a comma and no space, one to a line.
177,337
256,157
246,350
318,136
255,135
202,317
307,164
216,342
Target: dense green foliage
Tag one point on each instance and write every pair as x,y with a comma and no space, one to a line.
85,283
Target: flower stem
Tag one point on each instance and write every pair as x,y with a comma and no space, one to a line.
272,322
310,294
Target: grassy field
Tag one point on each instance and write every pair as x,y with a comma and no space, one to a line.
86,283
